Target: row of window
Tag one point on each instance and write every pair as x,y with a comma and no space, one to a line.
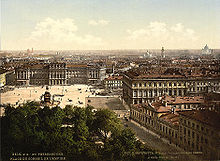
152,93
203,83
151,84
57,82
150,122
93,75
171,84
57,75
198,83
72,72
198,89
196,146
197,127
75,75
168,131
194,126
142,117
186,106
114,82
57,66
114,85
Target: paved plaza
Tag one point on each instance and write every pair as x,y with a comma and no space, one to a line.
67,95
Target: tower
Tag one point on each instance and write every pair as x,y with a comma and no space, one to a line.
162,53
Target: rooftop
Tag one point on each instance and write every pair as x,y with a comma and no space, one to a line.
208,117
172,72
114,78
159,107
183,100
170,118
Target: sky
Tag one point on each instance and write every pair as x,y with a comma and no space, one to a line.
109,24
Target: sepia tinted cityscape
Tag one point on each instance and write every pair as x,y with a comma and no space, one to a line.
110,81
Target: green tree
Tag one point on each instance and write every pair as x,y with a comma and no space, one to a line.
120,145
90,116
106,123
73,131
51,123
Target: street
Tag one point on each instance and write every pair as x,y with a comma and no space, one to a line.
161,145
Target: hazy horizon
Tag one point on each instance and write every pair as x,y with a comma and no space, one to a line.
109,25
108,49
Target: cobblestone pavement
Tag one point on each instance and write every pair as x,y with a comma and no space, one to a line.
161,145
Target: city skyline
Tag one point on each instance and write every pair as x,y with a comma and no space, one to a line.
109,25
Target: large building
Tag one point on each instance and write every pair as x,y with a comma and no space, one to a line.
193,130
6,77
38,74
141,85
148,113
199,131
96,74
206,50
22,75
59,74
113,82
77,74
183,103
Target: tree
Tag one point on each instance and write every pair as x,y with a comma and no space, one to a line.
30,128
50,125
106,123
120,145
90,116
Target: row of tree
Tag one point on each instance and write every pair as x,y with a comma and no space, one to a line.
78,133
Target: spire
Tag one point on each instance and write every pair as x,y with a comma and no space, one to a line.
162,53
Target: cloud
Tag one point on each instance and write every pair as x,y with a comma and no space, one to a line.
157,34
61,34
98,22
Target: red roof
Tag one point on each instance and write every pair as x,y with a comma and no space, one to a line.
184,100
171,118
160,108
114,78
208,117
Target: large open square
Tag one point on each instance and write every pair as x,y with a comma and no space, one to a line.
67,95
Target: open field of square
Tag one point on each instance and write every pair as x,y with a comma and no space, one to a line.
67,95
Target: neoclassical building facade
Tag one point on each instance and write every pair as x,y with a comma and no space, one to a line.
199,131
59,74
140,87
